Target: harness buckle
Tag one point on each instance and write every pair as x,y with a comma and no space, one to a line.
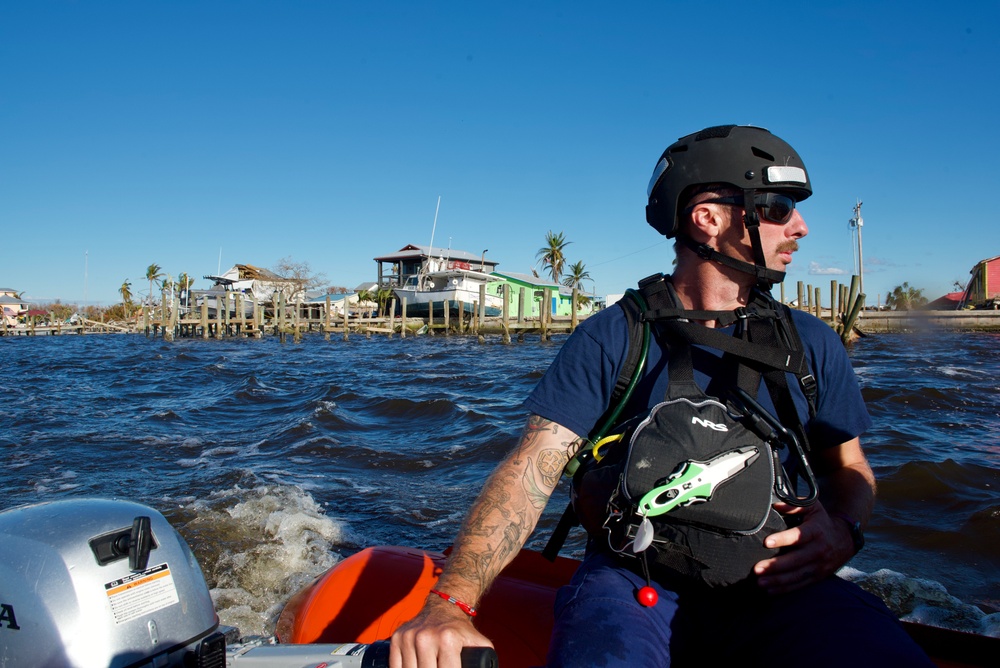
808,384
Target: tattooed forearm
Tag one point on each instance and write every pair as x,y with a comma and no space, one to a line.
505,514
481,568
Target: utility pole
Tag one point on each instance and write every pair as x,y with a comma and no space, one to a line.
857,223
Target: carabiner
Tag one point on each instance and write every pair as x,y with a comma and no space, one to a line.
783,489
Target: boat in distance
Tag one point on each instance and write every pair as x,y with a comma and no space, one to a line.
452,281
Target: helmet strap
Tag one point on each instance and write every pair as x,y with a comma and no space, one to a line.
765,277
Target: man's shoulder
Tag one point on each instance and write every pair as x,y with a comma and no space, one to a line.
604,333
815,333
819,339
609,321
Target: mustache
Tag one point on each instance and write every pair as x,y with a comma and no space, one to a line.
788,246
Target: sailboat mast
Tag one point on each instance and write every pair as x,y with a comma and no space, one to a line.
430,250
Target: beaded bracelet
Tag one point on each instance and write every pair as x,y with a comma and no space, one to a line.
464,607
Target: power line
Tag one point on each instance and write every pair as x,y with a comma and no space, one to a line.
641,250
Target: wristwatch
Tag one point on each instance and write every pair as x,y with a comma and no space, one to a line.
857,535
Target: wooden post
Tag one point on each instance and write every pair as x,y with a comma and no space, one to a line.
220,305
258,320
482,305
297,334
505,316
782,293
447,317
544,311
204,319
175,317
573,316
161,322
402,315
392,316
819,305
279,317
801,296
326,327
347,316
430,318
833,301
520,306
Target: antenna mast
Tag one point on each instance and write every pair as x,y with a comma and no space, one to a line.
857,223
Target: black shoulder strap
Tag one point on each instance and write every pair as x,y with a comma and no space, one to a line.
634,304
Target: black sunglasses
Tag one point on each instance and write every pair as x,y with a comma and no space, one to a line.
774,207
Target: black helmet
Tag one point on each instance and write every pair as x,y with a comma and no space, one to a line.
746,157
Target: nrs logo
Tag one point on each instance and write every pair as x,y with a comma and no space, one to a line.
7,615
711,425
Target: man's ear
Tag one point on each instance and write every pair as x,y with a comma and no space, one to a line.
705,222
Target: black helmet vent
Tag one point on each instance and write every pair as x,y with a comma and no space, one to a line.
715,132
762,154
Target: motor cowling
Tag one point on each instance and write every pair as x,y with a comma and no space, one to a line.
101,583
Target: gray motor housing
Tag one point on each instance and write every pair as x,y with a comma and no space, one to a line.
75,591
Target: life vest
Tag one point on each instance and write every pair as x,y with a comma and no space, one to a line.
688,484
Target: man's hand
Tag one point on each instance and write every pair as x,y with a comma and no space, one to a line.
435,638
814,550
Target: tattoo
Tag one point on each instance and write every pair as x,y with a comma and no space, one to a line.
510,503
537,497
550,465
491,501
482,568
533,428
551,462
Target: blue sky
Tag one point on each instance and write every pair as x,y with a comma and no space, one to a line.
145,132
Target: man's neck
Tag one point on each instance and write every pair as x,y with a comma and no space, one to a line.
707,286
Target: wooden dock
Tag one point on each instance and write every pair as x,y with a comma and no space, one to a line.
240,318
237,317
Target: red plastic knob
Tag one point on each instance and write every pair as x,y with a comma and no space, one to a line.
647,597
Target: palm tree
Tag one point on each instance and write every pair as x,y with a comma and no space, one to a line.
383,296
903,298
184,283
126,292
577,275
553,253
153,273
365,297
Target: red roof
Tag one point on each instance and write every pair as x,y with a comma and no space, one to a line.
949,301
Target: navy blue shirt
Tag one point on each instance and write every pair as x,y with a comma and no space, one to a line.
576,389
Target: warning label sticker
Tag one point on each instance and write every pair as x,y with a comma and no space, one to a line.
141,593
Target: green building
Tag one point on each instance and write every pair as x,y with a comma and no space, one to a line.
533,288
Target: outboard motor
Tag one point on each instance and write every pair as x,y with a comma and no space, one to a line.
105,584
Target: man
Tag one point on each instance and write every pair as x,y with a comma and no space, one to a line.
728,195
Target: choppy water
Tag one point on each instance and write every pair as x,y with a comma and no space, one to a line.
275,460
